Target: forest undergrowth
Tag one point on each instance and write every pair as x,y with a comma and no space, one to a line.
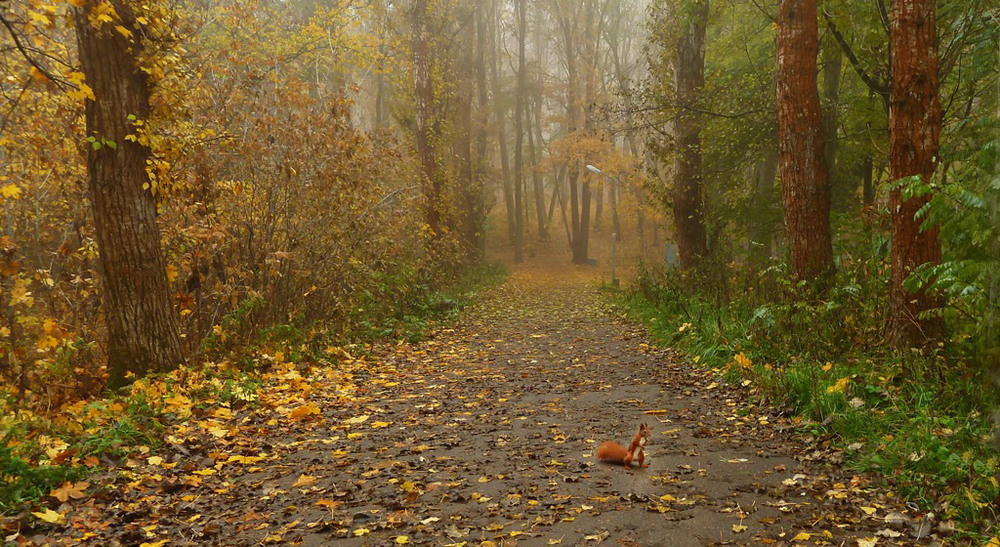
47,453
923,420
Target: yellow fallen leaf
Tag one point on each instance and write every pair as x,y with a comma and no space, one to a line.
160,543
402,540
304,411
872,542
362,531
840,385
802,536
739,528
48,515
154,460
869,510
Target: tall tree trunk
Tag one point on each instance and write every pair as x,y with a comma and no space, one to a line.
143,332
599,206
689,195
423,81
536,179
535,139
466,194
832,67
762,225
522,80
579,212
865,167
481,165
500,115
914,134
804,184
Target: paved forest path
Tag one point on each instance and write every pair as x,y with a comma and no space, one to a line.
485,433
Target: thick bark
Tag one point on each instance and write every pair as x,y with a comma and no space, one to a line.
689,194
423,82
914,134
143,332
804,181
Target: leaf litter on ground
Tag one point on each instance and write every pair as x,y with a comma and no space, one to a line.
483,434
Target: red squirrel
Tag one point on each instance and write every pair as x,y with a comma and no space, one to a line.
612,452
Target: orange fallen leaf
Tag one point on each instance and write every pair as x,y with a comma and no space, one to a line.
70,490
304,481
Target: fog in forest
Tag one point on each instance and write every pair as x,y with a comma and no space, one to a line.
802,195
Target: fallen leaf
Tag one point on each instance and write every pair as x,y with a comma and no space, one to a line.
70,490
304,411
304,481
48,515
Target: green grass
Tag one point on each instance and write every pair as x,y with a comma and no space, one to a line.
923,420
22,483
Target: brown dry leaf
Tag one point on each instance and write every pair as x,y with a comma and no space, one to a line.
305,481
70,490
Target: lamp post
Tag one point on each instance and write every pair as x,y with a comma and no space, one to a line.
614,207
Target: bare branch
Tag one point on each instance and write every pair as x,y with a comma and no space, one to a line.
61,83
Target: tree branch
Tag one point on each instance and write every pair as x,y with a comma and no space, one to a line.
62,84
876,86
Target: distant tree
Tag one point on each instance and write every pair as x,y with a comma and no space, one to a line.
689,191
804,179
143,333
426,128
914,135
519,128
